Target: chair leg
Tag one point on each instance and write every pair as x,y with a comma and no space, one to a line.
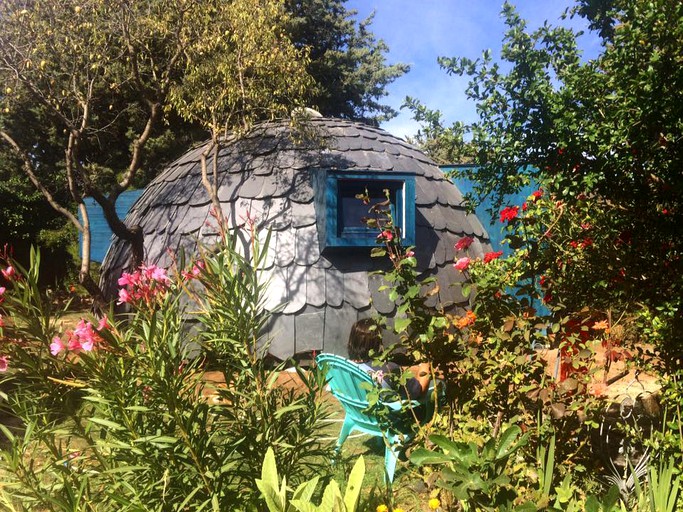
390,457
344,432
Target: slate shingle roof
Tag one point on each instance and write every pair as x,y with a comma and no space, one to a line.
268,174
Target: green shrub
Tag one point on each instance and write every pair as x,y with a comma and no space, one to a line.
115,415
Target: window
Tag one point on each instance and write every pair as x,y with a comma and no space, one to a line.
342,216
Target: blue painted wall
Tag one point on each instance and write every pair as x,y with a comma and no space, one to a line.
493,226
99,229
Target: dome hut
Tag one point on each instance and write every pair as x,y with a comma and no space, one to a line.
302,188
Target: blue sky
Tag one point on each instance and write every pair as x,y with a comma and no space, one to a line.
419,31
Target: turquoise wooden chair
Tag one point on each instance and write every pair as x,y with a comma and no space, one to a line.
346,380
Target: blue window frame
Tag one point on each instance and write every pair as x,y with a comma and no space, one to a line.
341,215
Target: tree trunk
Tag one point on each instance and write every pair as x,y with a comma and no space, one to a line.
133,235
84,277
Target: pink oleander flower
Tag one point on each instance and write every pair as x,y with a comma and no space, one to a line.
509,213
490,256
4,365
103,323
2,290
124,297
9,273
86,335
126,279
84,338
463,243
144,285
157,274
195,272
57,346
74,344
462,264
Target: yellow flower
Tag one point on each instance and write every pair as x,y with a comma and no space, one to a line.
382,508
399,510
434,504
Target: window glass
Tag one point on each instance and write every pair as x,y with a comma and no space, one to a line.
352,212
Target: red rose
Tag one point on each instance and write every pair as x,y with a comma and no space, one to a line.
490,256
509,213
386,235
463,243
462,264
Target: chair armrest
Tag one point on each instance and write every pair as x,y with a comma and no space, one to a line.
400,404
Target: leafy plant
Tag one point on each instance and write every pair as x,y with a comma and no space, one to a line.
28,324
477,476
661,492
275,493
145,432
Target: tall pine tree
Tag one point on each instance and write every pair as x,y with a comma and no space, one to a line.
347,61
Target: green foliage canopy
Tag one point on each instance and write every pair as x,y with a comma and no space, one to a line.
125,87
346,60
106,81
609,129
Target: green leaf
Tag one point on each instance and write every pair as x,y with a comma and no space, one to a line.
506,443
353,487
332,499
447,445
592,504
611,498
125,469
305,506
422,456
268,484
107,423
402,324
287,409
305,491
157,439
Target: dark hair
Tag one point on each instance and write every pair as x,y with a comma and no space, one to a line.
365,336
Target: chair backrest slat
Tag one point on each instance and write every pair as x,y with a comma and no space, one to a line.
349,384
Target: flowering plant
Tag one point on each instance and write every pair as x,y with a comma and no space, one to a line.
28,325
119,411
144,287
